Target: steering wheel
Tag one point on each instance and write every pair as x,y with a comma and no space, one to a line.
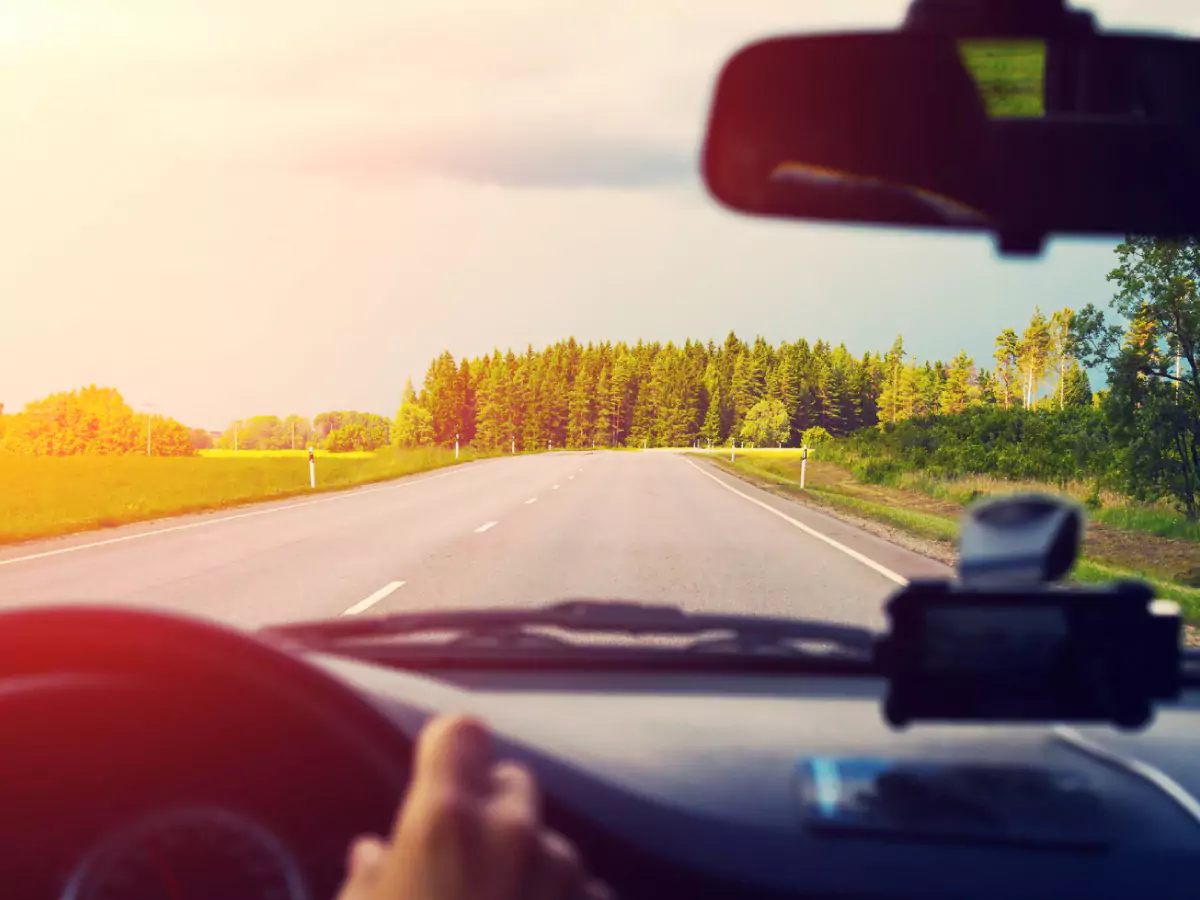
150,646
131,727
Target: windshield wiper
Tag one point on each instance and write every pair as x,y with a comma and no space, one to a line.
517,628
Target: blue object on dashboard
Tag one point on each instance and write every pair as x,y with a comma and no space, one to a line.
951,802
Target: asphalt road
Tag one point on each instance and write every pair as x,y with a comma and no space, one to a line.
647,526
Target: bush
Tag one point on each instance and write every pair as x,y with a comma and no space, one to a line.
815,437
1054,446
877,471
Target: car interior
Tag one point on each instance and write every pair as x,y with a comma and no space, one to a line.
1046,762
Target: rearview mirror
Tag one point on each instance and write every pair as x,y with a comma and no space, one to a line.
1023,138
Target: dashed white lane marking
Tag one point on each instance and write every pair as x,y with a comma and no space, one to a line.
485,527
570,478
531,500
555,488
367,603
811,532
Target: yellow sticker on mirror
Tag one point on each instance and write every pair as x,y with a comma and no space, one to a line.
1009,75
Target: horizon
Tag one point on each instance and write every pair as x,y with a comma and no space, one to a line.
1097,376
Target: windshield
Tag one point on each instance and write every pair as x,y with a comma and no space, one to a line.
317,313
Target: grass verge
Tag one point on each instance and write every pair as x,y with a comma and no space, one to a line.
935,520
1106,507
49,496
284,454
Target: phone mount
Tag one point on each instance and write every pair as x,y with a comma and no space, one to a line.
1023,539
1005,643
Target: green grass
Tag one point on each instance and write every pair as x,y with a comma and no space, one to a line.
46,496
1114,509
1090,571
1161,522
921,524
758,466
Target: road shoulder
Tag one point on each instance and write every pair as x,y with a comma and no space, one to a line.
908,556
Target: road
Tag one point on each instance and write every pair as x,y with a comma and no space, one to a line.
656,527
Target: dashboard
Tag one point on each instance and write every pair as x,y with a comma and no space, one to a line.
117,784
690,785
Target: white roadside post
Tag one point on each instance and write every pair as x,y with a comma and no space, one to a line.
456,446
514,446
150,407
312,469
732,450
803,465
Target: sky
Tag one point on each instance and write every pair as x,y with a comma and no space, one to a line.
227,208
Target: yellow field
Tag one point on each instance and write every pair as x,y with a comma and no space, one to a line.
43,496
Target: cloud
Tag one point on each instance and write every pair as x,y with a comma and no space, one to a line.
538,160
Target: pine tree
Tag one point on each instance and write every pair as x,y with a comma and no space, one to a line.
491,405
986,382
1008,353
580,415
788,379
1035,351
464,399
956,388
908,394
442,398
1077,390
929,388
602,432
713,430
834,403
1060,348
890,409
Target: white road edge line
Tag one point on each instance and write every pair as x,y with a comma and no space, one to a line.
811,532
531,500
367,603
486,526
346,495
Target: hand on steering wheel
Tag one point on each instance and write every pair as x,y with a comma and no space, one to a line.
468,829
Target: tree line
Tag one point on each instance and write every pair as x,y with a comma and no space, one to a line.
337,432
91,420
97,421
577,396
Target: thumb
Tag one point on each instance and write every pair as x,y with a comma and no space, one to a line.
364,866
454,754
